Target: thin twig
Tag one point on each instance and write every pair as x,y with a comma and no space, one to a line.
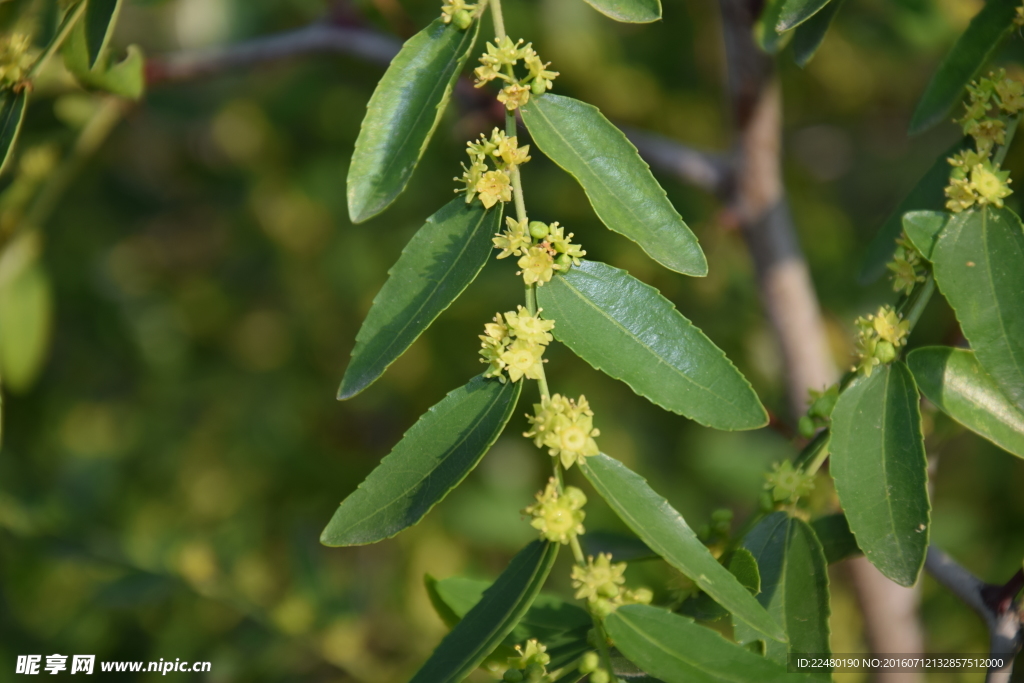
365,44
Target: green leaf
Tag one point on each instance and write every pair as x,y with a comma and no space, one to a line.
431,459
923,228
881,472
487,624
972,50
978,267
100,20
796,12
629,11
26,319
743,566
618,183
794,587
676,650
765,34
12,114
810,34
660,526
928,195
125,78
403,113
629,331
954,381
836,538
435,267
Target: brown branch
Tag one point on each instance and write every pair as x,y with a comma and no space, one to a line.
319,38
993,603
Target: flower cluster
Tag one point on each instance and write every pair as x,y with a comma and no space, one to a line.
787,484
492,186
878,338
975,180
600,583
498,63
15,58
458,11
558,517
543,249
530,664
565,427
514,344
907,266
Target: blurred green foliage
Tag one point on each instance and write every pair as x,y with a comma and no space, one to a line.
164,483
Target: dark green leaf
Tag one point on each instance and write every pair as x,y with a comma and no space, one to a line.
810,34
125,78
100,20
435,267
836,538
12,114
629,11
628,330
618,183
768,39
927,195
743,566
794,587
676,650
403,113
796,12
970,53
923,228
979,267
954,381
881,473
26,318
431,459
658,524
487,624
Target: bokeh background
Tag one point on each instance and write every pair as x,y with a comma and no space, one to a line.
164,481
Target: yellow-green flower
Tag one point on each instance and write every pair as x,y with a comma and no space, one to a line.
565,427
990,184
494,187
906,267
523,359
558,517
788,484
1010,93
514,96
599,578
514,240
879,336
538,265
987,133
509,151
15,58
459,11
539,74
569,254
960,195
471,177
530,328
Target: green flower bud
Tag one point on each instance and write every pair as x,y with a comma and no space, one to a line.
512,676
806,427
589,663
563,262
538,230
539,86
885,352
463,19
600,676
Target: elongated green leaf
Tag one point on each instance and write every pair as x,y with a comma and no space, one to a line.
629,11
431,459
100,20
811,34
26,318
660,526
12,114
435,267
490,620
881,473
954,381
796,12
125,78
836,538
794,587
676,650
928,195
978,263
743,566
923,228
971,52
618,183
628,330
403,113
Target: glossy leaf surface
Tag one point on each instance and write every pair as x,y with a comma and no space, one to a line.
435,267
674,649
880,470
12,114
811,34
628,330
978,263
927,195
923,228
618,183
796,12
954,381
487,624
837,541
402,114
794,586
433,457
629,11
99,22
965,60
660,526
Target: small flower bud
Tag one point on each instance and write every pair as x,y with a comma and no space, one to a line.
512,676
600,676
463,19
885,352
589,663
539,86
538,230
805,425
